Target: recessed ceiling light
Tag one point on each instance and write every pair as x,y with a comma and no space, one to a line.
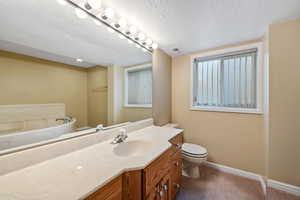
79,60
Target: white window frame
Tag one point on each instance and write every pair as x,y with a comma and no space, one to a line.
259,79
126,104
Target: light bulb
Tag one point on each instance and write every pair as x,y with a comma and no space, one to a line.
129,41
141,36
122,22
110,30
97,22
95,4
133,30
121,36
80,13
148,41
62,2
109,13
79,60
154,45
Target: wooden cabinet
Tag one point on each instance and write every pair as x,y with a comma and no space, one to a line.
132,185
175,173
161,191
111,191
160,180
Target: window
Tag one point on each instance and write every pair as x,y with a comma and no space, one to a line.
138,86
227,81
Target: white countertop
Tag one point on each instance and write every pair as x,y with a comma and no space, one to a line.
78,174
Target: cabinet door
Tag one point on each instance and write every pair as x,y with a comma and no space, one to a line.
132,185
165,192
154,193
176,169
111,191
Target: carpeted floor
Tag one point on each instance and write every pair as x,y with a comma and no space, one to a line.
216,185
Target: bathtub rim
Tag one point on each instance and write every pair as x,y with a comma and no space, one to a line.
37,144
73,121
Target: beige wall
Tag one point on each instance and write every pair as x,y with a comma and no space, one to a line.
284,71
97,95
136,114
162,75
232,139
28,80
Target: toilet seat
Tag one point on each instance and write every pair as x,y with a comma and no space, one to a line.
194,156
194,150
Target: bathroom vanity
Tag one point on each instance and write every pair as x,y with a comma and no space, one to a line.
147,166
160,180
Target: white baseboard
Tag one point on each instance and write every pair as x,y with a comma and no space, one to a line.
234,171
284,187
241,173
271,183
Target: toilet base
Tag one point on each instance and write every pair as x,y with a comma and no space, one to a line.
191,170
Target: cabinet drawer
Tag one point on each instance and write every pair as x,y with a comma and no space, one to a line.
156,170
111,191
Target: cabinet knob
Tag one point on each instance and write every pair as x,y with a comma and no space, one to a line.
177,186
177,164
161,193
165,187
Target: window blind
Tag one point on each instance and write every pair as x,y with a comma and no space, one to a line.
140,86
226,81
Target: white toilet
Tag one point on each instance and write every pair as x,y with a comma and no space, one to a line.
193,156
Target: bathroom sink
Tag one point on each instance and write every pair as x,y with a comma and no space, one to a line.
132,148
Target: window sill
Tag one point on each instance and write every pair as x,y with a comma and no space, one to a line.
149,106
226,109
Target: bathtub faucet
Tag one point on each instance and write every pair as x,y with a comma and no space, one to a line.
65,120
100,127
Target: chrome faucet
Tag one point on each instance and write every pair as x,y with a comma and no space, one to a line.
65,120
121,137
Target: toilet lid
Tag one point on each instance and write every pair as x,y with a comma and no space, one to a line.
193,149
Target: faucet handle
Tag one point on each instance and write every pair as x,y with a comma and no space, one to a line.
123,134
99,127
123,131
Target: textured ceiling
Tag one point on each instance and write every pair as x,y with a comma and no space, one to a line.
42,27
189,25
192,25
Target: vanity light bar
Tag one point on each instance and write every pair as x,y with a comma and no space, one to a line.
112,27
